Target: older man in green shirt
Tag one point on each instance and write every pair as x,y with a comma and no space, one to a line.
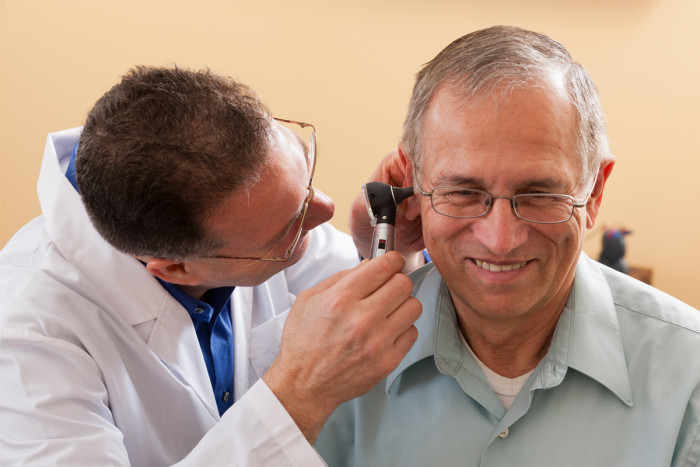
529,353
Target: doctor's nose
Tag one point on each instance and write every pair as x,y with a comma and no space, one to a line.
500,230
320,210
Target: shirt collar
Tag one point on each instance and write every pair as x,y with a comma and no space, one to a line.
70,171
211,304
427,285
587,337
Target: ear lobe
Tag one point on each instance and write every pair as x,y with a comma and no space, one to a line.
175,272
596,198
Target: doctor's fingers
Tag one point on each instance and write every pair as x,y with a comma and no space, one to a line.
373,275
402,320
360,281
330,281
389,296
390,169
388,341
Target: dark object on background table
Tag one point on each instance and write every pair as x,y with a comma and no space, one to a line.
613,253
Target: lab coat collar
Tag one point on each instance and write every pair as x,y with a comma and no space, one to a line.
71,230
114,281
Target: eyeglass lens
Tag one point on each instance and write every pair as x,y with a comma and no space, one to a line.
310,152
464,203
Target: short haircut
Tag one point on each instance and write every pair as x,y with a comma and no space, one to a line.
161,150
500,58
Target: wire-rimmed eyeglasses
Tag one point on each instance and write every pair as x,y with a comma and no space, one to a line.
468,203
311,155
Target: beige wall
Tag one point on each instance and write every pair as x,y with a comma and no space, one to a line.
347,66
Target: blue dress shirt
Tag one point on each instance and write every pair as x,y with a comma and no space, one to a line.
211,317
619,386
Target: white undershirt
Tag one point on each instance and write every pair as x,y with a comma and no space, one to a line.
505,388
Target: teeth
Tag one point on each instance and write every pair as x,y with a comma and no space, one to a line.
498,268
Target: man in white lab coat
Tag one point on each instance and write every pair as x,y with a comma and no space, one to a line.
142,314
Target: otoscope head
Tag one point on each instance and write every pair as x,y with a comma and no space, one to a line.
381,200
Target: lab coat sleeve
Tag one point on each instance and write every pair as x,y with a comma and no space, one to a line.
64,423
265,434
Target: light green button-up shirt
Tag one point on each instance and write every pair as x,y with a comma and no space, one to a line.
619,386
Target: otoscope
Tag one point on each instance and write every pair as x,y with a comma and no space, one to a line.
381,201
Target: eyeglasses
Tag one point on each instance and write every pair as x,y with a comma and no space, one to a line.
467,203
311,155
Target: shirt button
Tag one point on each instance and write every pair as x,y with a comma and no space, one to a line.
503,433
199,310
225,396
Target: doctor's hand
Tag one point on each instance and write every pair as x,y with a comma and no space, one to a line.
408,233
341,338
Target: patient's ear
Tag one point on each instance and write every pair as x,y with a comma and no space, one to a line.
175,272
407,166
596,199
413,203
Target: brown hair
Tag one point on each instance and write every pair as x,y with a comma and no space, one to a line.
161,150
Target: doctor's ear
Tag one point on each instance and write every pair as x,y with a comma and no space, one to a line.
175,272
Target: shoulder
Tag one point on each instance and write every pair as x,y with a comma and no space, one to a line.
598,286
47,291
642,301
652,325
20,263
326,236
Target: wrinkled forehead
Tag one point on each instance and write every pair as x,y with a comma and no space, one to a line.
514,125
496,92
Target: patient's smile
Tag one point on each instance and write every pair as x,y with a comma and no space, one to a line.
499,267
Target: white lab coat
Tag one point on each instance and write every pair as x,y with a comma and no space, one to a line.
99,365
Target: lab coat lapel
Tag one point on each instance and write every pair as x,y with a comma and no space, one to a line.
174,341
270,307
241,304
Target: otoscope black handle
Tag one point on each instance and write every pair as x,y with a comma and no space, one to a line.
381,200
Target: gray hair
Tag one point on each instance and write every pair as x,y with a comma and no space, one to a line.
507,57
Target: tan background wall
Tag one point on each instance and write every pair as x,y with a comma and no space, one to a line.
348,67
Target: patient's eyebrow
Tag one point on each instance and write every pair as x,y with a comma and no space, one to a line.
549,183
